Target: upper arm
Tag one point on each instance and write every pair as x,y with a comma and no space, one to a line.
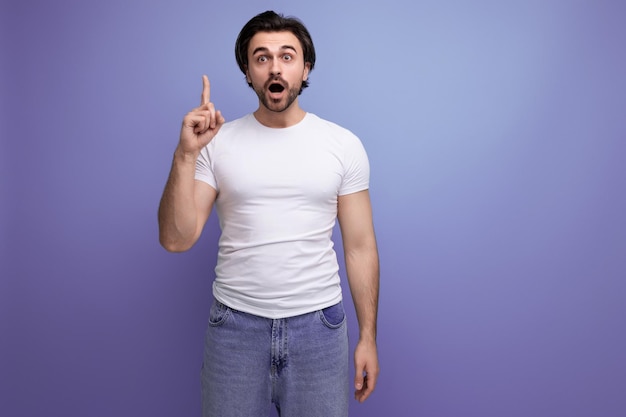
204,197
354,212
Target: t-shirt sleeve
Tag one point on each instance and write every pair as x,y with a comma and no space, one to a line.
356,167
204,167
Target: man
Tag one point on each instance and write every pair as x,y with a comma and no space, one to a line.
279,178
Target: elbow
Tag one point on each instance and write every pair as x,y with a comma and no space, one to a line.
173,241
174,246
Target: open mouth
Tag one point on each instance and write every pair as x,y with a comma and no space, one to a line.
276,88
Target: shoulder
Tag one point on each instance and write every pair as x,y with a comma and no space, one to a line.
223,140
333,129
327,124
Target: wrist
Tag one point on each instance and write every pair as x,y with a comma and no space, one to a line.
367,337
184,156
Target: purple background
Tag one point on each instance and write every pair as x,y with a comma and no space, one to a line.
496,137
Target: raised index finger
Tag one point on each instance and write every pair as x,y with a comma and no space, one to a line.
206,91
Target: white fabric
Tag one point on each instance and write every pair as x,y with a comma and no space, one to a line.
277,206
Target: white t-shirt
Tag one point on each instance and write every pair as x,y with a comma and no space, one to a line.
277,206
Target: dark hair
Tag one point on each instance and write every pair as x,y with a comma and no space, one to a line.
270,21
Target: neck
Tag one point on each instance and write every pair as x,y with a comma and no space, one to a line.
286,118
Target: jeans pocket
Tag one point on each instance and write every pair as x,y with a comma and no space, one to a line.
333,316
218,314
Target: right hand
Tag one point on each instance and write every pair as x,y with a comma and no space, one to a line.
201,124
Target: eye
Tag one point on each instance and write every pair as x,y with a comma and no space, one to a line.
287,57
262,58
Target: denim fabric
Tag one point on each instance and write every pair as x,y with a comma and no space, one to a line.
298,364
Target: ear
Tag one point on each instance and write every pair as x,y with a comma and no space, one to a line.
247,75
305,73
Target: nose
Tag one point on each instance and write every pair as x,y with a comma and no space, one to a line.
275,68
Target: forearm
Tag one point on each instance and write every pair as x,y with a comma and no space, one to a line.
363,277
178,217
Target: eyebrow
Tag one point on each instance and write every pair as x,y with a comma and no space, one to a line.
265,49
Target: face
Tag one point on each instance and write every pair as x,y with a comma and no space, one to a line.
276,69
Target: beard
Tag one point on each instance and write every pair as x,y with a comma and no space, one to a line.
277,105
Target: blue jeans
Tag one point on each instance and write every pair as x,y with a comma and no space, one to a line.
299,364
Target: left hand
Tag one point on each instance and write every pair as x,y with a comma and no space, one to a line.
366,369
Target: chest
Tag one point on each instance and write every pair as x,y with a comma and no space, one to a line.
304,170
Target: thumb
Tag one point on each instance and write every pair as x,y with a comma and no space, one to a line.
359,378
219,118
